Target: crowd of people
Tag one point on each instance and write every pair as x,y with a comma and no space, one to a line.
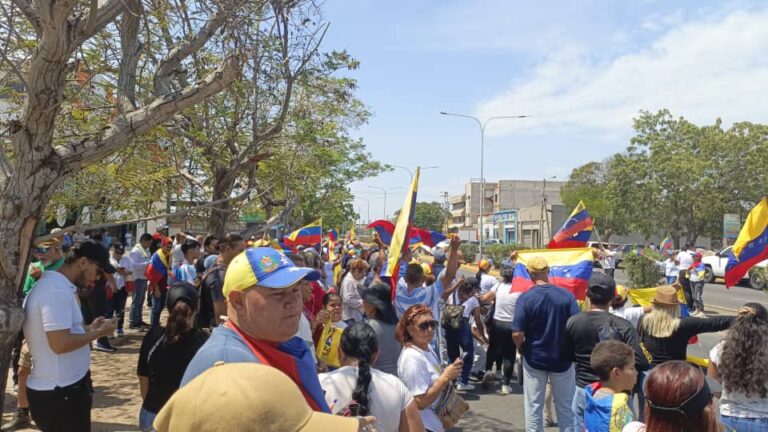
322,338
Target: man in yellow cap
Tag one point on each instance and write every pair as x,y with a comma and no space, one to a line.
541,314
264,306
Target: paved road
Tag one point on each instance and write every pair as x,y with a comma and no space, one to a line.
490,411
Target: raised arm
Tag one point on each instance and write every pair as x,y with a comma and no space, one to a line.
453,262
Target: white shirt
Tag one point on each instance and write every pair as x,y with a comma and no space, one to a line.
351,302
52,305
124,263
737,404
487,282
388,396
685,259
140,258
419,370
128,239
177,256
608,260
505,302
629,313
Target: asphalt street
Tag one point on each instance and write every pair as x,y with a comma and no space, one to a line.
490,411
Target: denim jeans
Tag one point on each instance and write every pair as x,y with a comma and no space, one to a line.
461,338
146,419
116,307
578,406
739,424
671,279
534,387
137,301
158,303
697,289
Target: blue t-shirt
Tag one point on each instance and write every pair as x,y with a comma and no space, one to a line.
541,313
227,346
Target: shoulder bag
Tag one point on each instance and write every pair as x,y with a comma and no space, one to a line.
452,317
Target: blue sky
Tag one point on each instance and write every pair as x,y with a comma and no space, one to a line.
582,69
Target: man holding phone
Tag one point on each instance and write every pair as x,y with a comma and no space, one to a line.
59,387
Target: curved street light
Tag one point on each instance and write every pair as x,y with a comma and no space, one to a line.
482,125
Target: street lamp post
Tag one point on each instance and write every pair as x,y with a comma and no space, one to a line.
369,207
411,172
482,125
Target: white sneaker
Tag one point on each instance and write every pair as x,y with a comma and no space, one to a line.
699,314
464,387
505,390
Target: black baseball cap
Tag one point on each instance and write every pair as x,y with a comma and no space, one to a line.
94,251
182,291
602,284
118,247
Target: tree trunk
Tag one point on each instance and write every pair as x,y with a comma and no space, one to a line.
21,203
223,183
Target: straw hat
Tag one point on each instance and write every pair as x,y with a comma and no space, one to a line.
666,296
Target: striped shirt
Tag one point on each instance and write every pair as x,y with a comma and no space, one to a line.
429,296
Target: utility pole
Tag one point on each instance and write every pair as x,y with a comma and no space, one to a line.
447,210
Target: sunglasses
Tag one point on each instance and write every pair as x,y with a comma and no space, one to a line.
427,325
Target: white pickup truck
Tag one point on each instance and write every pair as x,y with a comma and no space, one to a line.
715,268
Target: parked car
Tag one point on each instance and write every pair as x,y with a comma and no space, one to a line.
715,268
491,242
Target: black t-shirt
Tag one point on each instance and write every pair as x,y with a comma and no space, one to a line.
585,330
210,291
675,346
166,365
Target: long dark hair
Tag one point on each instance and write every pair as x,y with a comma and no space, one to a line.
360,341
743,362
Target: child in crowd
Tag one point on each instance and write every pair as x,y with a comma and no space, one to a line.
607,406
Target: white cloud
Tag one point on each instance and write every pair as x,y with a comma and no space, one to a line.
700,70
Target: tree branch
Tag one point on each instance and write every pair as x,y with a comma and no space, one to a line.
170,65
32,16
130,47
139,121
98,17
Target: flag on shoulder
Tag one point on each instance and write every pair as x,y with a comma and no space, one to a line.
568,268
666,245
751,246
308,235
576,230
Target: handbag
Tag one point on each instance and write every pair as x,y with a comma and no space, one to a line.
451,407
452,316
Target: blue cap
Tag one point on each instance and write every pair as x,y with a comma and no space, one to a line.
265,267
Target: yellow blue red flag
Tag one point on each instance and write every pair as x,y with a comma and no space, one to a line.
576,230
568,268
307,235
751,246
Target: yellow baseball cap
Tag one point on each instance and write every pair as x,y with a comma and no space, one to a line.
231,397
484,264
427,269
537,264
265,267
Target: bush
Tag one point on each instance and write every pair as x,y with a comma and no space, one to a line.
499,252
469,250
642,272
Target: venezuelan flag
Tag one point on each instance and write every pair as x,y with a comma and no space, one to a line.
576,230
402,231
307,235
352,234
568,268
333,235
384,229
157,270
606,414
666,245
426,237
751,246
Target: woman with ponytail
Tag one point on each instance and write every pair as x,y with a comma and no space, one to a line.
740,362
363,390
166,351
